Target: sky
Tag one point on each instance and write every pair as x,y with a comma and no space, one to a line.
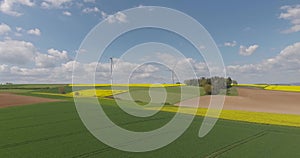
259,41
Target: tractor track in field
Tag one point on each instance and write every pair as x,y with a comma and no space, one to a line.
231,146
16,118
139,121
95,152
283,132
100,151
41,124
11,145
35,115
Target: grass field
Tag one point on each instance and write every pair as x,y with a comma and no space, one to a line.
141,94
55,130
87,93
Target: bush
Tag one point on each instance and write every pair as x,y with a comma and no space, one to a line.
61,90
228,82
138,101
76,93
167,103
212,86
208,89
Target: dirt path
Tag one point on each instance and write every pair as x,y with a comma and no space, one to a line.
9,99
256,100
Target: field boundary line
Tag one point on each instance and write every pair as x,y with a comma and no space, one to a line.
236,144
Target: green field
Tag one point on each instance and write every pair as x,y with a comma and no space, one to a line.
141,94
55,130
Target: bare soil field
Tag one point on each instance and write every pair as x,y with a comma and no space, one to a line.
257,100
9,99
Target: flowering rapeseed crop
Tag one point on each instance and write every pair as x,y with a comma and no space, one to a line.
247,116
283,88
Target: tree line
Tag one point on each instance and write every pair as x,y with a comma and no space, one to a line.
212,86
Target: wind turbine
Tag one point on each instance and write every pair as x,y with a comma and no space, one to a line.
111,70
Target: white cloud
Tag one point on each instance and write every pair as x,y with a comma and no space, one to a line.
56,72
288,58
51,59
125,71
202,47
17,60
15,70
186,67
118,17
55,3
294,28
248,51
16,52
67,13
103,14
79,5
4,29
230,44
35,31
17,34
284,66
89,1
7,6
56,53
140,6
90,10
19,29
3,67
55,67
292,14
81,51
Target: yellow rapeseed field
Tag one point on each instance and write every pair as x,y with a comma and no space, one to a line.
96,92
283,88
273,87
252,85
247,116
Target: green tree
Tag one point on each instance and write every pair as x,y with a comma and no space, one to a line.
208,89
234,82
202,82
228,82
61,90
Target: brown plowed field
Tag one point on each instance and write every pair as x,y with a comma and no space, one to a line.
257,100
9,99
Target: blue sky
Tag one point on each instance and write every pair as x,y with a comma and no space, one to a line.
258,40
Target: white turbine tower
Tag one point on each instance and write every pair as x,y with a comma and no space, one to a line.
111,70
